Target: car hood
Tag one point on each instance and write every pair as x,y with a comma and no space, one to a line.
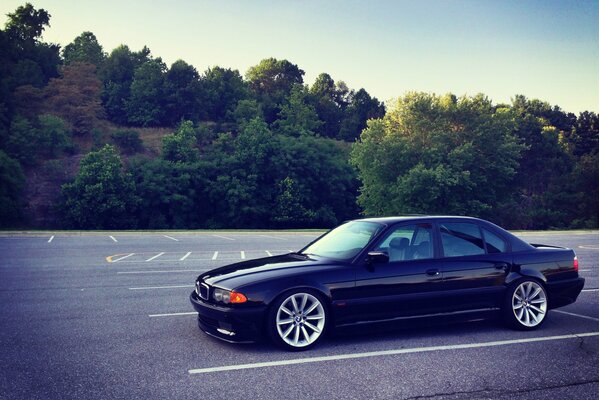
239,274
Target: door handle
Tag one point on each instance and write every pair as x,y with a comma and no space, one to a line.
432,272
501,265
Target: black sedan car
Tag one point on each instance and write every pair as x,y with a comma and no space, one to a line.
385,269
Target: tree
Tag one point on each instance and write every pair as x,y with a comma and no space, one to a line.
271,82
47,137
84,48
326,98
27,24
183,93
145,107
585,135
433,154
181,145
223,88
117,74
361,108
75,96
297,117
102,196
11,183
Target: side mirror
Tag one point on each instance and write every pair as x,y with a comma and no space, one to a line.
378,257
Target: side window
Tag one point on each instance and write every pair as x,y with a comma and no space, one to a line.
461,239
408,242
495,244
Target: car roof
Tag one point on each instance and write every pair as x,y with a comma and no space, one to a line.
416,217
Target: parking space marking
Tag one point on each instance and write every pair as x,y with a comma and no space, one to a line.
223,237
268,253
591,290
577,315
215,255
155,257
162,272
160,287
113,239
51,239
387,353
171,238
185,256
590,247
242,253
172,314
119,259
273,237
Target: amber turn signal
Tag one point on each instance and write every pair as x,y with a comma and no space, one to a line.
237,298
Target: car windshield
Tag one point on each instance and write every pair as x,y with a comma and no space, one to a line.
345,241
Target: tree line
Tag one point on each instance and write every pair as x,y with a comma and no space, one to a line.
265,149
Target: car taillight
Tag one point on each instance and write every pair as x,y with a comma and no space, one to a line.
575,263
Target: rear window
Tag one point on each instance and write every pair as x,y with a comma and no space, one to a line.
495,244
461,239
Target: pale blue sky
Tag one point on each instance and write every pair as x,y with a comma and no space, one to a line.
542,49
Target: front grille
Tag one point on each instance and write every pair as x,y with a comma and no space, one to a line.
204,291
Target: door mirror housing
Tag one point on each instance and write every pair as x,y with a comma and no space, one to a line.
377,257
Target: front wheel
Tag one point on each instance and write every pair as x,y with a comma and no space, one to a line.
297,320
525,306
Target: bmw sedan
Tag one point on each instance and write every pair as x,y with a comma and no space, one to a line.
386,269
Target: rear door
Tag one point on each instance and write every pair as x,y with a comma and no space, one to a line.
474,263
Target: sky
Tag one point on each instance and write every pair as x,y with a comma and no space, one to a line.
547,50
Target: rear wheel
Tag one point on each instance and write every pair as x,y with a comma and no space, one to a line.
297,320
526,304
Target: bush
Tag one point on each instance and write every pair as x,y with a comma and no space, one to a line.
128,141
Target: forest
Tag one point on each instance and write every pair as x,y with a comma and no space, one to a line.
91,139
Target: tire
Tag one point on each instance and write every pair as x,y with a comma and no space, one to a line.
526,304
297,319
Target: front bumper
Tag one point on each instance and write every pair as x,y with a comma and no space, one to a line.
564,292
232,324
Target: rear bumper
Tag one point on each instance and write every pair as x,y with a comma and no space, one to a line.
236,325
564,292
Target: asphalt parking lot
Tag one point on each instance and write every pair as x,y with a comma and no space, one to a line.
107,316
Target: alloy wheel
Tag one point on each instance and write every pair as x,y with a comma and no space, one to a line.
529,303
300,320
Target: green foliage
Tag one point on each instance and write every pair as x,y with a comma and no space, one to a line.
289,211
11,183
183,93
102,196
181,145
84,48
245,111
437,155
128,141
222,90
47,138
271,82
145,106
361,108
298,117
26,23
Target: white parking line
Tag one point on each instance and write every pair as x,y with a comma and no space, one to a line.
387,353
113,239
590,247
155,257
591,290
122,258
268,253
273,237
223,237
583,270
185,256
242,253
171,238
215,255
51,239
162,272
172,314
160,287
577,315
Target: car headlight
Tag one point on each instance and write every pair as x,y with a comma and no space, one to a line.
228,296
